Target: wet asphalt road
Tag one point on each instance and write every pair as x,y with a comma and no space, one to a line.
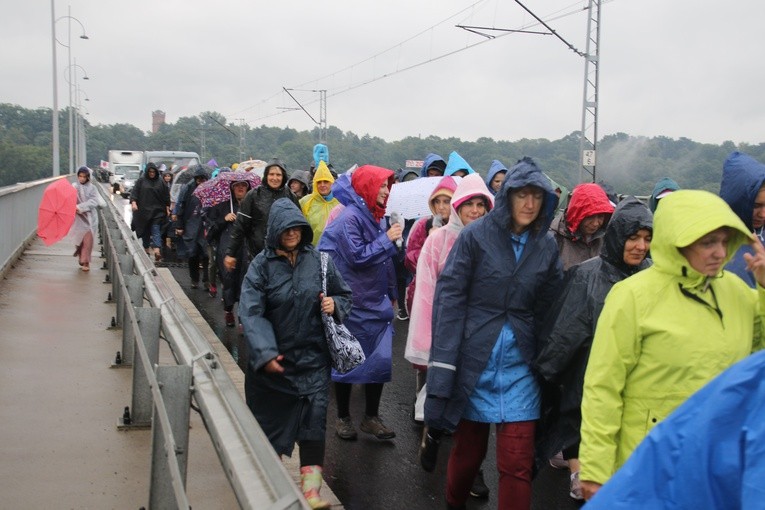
368,474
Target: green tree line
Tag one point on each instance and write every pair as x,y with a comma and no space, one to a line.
630,164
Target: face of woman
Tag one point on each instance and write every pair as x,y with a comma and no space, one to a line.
324,187
471,210
636,247
274,177
592,224
707,254
441,206
82,178
240,190
167,177
297,188
497,180
526,203
382,195
290,238
460,173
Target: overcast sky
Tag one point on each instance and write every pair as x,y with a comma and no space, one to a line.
684,68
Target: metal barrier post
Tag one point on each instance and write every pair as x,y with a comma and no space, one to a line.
134,298
175,385
149,323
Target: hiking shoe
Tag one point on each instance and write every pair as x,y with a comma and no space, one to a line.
230,322
213,291
374,425
558,462
345,429
479,488
575,490
428,451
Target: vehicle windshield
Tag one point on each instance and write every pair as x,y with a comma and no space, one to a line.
133,174
121,169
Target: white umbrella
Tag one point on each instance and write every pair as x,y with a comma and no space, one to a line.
410,198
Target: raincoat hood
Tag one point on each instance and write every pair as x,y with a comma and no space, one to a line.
684,217
84,170
495,168
197,171
278,163
470,186
524,173
665,184
445,187
403,174
342,189
366,182
302,177
456,163
156,172
432,160
743,176
587,199
320,153
629,216
285,214
322,174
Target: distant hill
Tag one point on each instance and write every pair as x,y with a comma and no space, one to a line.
631,165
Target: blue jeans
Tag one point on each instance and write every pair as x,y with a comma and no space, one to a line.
151,236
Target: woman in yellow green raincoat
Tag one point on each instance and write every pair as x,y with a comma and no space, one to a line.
668,330
317,206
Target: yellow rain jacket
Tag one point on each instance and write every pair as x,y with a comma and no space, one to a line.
315,207
664,333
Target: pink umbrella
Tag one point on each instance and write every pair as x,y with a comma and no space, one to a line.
218,190
56,213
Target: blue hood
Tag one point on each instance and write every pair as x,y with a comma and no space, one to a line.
430,160
457,162
494,169
524,173
743,176
342,189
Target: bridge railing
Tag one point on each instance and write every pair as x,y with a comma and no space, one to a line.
18,218
257,476
162,395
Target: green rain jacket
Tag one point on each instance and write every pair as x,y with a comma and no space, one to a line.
664,333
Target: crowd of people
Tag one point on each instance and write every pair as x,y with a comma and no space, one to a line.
573,322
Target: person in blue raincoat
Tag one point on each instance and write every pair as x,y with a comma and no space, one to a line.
709,453
363,253
433,166
288,373
499,280
743,189
495,177
457,166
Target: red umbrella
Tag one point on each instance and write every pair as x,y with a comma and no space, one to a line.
57,209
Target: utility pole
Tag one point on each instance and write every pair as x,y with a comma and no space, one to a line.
323,116
241,139
588,140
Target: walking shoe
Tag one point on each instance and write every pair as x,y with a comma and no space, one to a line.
576,487
479,488
230,322
428,451
310,485
345,429
213,290
558,462
402,315
374,425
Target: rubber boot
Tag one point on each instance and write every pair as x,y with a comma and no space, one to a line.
310,485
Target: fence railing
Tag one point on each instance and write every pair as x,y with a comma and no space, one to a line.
161,396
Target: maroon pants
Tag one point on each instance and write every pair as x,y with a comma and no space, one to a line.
85,249
515,458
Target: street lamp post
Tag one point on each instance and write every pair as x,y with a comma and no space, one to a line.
74,139
54,133
68,46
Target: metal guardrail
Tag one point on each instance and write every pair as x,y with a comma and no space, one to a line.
257,476
18,218
162,395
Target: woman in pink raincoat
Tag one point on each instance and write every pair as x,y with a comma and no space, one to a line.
471,200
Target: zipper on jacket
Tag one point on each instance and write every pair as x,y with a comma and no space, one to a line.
696,298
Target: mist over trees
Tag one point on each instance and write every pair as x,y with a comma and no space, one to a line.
631,165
